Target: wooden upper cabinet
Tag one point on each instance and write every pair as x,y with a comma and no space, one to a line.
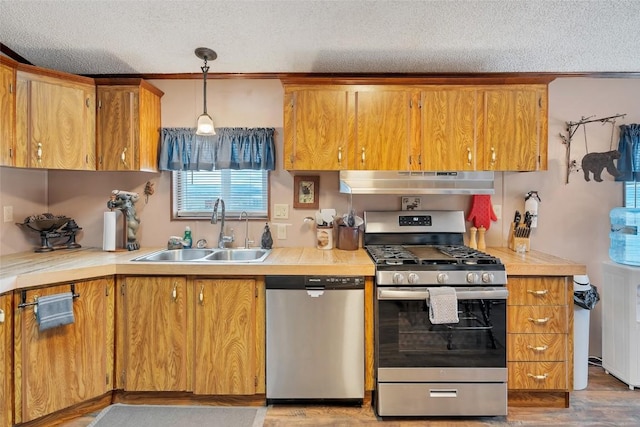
55,125
447,125
384,129
7,111
69,364
514,128
449,120
128,125
316,128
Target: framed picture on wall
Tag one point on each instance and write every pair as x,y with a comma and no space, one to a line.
306,192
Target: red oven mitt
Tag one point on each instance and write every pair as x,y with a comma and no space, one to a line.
481,211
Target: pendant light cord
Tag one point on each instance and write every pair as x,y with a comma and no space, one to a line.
205,69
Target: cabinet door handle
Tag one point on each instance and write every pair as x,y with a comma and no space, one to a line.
538,348
86,101
340,155
39,152
493,155
538,377
174,293
539,321
123,157
469,156
538,293
201,296
362,156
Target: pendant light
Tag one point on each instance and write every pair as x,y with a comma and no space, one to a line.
205,122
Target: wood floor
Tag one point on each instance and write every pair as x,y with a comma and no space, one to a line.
605,402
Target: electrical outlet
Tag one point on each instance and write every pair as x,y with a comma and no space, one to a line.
8,214
282,231
497,209
280,211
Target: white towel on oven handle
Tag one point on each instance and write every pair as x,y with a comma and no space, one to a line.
443,305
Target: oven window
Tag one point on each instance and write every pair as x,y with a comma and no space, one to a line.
406,338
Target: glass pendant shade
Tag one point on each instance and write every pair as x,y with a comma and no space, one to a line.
205,125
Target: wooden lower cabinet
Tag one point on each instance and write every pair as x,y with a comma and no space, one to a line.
6,360
152,333
226,355
200,335
60,367
540,335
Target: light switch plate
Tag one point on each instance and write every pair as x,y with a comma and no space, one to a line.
8,214
280,211
411,203
282,231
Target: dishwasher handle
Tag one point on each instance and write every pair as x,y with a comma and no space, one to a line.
462,294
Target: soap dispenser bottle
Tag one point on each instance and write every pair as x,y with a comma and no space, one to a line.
188,240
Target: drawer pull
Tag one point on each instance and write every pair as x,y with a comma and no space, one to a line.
539,321
538,377
538,348
538,293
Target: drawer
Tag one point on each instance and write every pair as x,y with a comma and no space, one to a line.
537,319
537,291
537,347
537,376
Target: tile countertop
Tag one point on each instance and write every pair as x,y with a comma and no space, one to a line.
27,269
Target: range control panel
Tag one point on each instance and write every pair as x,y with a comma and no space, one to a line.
414,220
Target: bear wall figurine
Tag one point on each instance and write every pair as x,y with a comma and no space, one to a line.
596,162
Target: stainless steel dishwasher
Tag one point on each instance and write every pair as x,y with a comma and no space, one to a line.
315,338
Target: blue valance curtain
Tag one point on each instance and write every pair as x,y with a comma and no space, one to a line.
629,148
230,148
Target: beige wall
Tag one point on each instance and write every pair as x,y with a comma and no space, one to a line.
573,222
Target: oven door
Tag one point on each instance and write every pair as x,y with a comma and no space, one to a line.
410,348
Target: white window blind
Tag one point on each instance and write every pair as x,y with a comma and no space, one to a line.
195,192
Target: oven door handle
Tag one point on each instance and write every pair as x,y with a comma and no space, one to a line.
423,294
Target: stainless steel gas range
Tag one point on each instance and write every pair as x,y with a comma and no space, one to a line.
425,367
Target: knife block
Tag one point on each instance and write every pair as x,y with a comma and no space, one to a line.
518,242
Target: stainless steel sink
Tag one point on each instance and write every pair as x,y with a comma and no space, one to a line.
239,255
206,255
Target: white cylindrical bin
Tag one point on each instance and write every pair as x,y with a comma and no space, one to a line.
580,336
109,232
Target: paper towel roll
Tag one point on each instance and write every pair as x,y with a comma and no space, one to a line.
109,232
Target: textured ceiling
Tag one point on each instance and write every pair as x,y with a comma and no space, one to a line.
457,36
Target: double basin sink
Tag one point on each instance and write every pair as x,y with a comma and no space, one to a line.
206,255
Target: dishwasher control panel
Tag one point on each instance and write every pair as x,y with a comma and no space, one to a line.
314,282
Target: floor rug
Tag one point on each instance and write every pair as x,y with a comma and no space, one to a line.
121,415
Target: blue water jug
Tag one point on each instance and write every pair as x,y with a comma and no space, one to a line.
625,236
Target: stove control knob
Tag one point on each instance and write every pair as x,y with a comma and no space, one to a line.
398,278
442,278
413,278
472,277
487,277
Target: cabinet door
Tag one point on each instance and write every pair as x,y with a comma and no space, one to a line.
383,129
63,366
449,117
514,130
316,134
155,334
117,135
6,352
225,337
59,122
7,115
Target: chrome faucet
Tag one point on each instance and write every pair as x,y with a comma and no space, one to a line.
246,229
222,239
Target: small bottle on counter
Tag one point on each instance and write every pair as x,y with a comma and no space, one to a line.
188,240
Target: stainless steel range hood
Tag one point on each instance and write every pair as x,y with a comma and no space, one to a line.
410,183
